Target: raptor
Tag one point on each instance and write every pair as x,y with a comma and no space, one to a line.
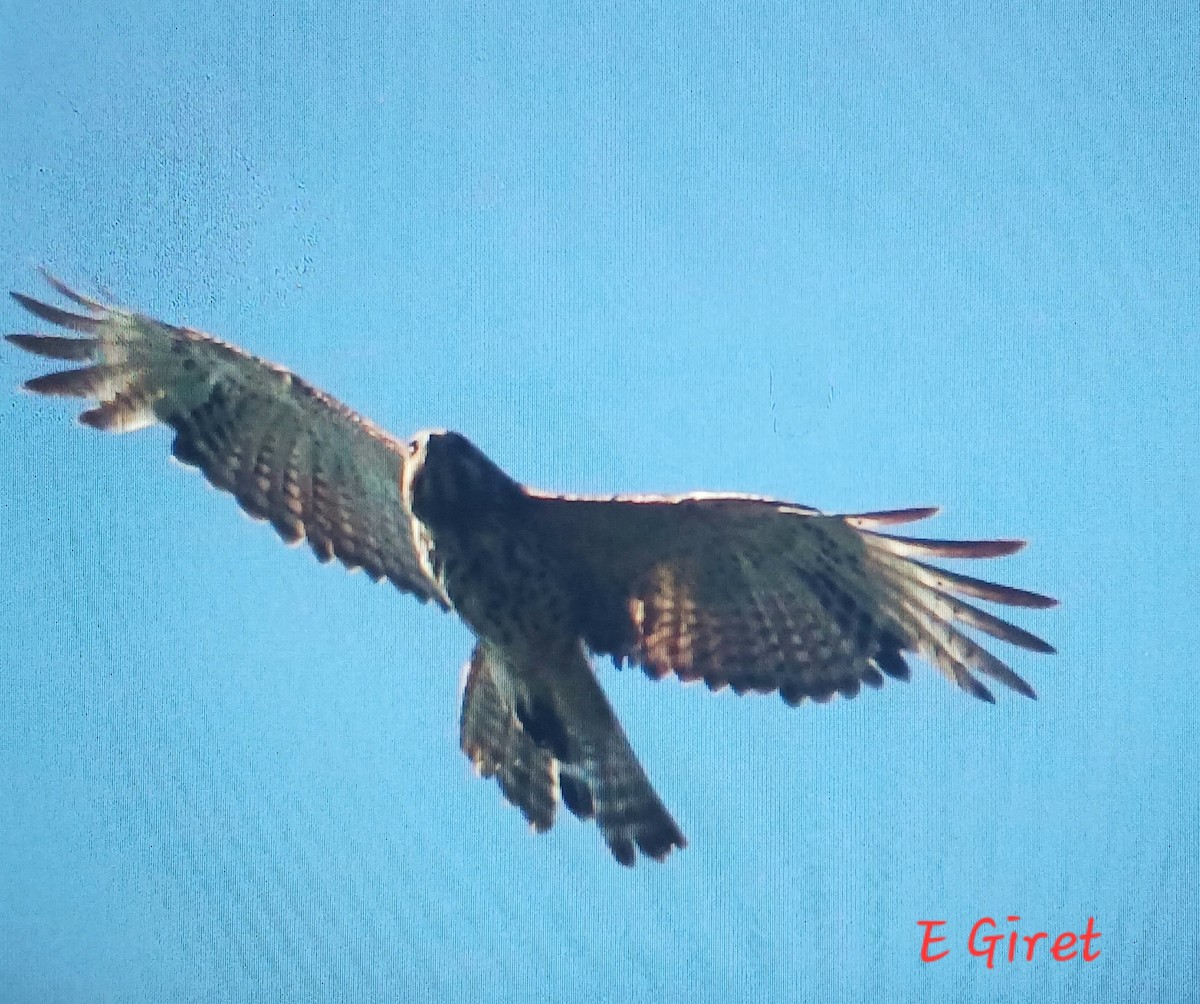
751,593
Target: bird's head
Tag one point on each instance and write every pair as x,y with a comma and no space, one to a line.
448,481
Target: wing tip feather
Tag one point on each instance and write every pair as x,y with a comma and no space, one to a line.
70,293
55,347
891,517
909,547
56,315
976,688
67,383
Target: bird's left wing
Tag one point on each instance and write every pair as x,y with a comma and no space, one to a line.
287,452
762,595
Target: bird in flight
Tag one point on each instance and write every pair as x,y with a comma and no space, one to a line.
739,591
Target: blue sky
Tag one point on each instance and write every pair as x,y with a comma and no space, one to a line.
855,259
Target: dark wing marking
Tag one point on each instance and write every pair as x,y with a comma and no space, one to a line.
763,596
288,453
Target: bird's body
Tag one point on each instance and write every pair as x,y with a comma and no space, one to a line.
753,593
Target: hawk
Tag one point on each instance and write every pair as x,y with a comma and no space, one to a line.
739,591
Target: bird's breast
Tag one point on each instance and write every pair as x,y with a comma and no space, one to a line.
505,585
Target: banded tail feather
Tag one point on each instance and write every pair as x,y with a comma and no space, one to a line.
540,752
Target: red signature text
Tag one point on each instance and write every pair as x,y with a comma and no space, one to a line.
985,941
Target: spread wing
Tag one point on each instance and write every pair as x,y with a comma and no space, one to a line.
286,451
765,596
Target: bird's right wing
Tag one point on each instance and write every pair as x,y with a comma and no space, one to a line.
763,595
286,451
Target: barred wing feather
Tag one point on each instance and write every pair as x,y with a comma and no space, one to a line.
761,595
288,453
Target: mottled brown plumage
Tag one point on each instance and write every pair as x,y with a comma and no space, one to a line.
751,593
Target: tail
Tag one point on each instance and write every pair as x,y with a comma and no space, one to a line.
545,741
499,747
614,788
